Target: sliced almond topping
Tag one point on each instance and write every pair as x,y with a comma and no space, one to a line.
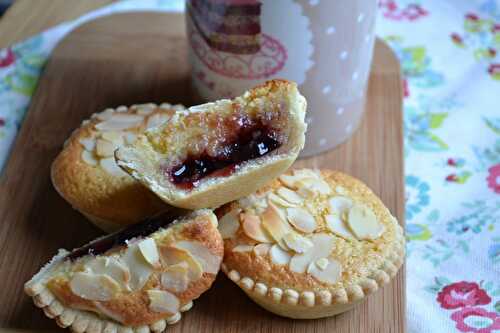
145,109
340,190
252,227
229,224
105,115
301,219
112,267
275,199
312,186
113,136
149,251
274,224
243,248
95,287
175,278
289,181
130,138
306,173
261,249
105,148
290,196
335,224
340,205
208,261
278,255
118,122
330,274
364,223
322,247
87,143
88,157
109,165
297,243
322,263
140,270
163,302
173,255
157,119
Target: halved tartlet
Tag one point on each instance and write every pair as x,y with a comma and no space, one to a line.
86,175
221,151
311,244
139,279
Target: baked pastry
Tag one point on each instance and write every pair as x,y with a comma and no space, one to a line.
139,279
311,244
221,151
86,175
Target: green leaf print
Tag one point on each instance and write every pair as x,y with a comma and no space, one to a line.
437,119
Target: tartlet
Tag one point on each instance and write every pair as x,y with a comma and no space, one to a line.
217,152
86,175
137,280
310,244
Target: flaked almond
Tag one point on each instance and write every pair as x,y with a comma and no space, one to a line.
119,122
243,248
262,249
330,274
252,227
336,225
109,165
104,148
172,255
364,223
113,136
149,251
175,278
112,267
275,199
340,205
229,224
140,270
87,143
278,255
130,138
288,181
322,247
145,109
301,219
274,224
95,287
157,119
306,173
290,196
163,301
297,243
105,115
312,186
88,157
322,263
208,261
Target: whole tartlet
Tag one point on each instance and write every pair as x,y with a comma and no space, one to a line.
86,175
310,244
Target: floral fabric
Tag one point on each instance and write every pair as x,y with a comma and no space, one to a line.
449,54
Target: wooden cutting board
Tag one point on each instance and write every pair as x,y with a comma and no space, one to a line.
142,57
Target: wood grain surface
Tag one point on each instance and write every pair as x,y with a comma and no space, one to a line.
142,57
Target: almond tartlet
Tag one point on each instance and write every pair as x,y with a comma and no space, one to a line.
217,152
86,175
137,280
310,244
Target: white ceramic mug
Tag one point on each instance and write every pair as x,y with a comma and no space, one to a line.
325,46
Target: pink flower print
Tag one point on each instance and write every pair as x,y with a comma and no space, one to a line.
476,320
460,294
414,11
494,71
7,58
493,178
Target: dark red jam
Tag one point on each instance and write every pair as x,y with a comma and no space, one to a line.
142,229
252,141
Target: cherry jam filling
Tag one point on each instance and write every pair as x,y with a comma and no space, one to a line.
142,229
252,142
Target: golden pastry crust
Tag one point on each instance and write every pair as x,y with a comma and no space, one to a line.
365,264
54,289
105,195
165,146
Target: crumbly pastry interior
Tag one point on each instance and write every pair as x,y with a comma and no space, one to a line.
310,238
113,128
140,278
